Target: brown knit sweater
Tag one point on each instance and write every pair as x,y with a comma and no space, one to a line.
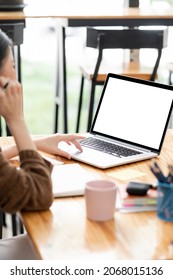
26,188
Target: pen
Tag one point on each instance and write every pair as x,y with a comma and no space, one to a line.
169,178
158,171
157,174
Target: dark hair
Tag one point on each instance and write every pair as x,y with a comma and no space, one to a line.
5,43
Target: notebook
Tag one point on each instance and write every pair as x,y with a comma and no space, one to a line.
70,179
132,114
128,200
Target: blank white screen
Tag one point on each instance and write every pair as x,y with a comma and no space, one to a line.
134,112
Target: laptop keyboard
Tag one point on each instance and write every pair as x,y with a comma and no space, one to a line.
108,148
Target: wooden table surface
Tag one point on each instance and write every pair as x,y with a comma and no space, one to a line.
79,9
64,232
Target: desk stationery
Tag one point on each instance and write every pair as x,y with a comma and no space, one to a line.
64,232
85,13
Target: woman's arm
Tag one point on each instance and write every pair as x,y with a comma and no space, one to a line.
10,151
48,144
26,188
11,108
30,187
15,120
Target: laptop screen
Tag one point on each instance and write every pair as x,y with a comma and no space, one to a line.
134,111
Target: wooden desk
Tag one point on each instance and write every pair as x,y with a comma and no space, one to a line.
81,11
63,232
81,14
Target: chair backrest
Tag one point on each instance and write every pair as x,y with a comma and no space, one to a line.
14,31
127,39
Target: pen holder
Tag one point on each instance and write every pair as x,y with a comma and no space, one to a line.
165,201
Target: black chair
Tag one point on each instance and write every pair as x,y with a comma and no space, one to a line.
132,39
18,248
15,31
16,224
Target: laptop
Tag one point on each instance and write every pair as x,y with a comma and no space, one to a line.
129,124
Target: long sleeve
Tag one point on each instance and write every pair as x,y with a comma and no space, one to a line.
26,188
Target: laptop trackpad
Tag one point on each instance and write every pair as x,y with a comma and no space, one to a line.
93,157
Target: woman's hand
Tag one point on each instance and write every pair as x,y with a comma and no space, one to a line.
10,100
49,144
11,108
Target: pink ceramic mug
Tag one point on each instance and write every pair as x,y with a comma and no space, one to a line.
100,196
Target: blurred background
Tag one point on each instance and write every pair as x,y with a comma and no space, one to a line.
39,59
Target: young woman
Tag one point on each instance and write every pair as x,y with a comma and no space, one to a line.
29,187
